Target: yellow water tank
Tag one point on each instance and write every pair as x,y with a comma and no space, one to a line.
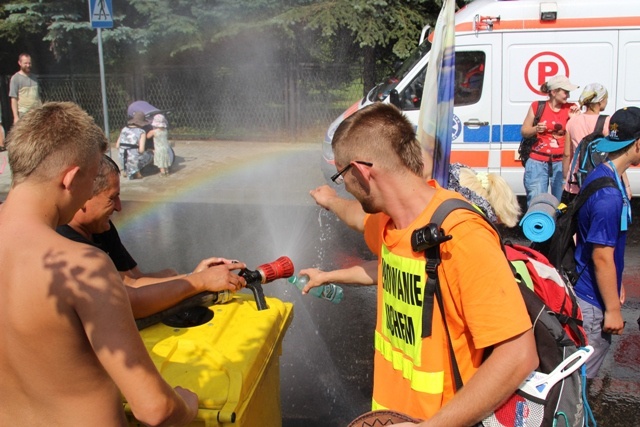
231,362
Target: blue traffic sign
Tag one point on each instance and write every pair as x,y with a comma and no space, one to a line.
101,13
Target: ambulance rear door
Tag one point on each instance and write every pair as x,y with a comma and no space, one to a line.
532,57
628,93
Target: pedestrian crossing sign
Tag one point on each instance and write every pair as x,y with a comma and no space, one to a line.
101,13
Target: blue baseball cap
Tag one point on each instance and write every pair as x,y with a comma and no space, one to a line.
624,129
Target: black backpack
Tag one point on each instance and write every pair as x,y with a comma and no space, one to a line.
564,404
560,248
586,156
526,144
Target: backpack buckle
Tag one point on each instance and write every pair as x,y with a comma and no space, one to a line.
428,237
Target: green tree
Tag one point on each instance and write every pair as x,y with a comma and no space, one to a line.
373,33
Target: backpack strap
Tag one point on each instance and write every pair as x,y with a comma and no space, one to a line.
451,205
574,162
432,254
600,123
539,111
588,191
125,145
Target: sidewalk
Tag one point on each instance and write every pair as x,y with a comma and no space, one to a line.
194,160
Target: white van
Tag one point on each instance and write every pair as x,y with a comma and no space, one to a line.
504,51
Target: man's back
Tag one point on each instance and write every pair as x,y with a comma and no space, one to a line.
598,223
69,345
47,281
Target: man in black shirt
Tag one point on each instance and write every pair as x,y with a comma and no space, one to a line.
152,292
109,241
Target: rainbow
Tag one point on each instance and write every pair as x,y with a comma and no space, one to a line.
188,183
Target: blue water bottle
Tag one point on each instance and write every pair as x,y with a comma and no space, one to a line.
329,291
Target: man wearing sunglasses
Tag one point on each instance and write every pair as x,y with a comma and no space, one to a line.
379,160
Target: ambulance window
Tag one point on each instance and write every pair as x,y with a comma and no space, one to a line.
382,90
468,82
469,77
411,96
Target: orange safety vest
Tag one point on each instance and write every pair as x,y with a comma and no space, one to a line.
413,375
409,376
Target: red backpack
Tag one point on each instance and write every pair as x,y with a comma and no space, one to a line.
557,327
535,270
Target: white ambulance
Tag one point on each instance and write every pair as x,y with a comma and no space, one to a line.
504,51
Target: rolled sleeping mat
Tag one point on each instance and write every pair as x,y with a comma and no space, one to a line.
547,198
539,223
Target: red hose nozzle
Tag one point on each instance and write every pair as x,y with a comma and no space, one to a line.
278,269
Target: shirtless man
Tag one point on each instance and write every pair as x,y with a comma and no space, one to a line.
69,345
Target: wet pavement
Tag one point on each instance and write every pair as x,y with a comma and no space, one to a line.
249,200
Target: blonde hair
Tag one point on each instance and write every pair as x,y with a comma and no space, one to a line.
496,191
50,138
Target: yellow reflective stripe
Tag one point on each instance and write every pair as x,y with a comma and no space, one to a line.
424,382
375,406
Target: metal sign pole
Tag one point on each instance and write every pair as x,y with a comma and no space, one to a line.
101,16
105,110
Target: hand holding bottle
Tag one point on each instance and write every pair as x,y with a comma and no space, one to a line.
328,291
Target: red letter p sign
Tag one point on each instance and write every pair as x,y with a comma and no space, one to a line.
546,70
541,67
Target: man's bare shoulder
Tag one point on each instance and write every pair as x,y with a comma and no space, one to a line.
64,286
83,262
50,257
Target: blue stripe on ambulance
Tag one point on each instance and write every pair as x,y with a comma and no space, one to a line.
511,133
495,133
476,134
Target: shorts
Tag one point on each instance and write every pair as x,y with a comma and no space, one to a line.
593,318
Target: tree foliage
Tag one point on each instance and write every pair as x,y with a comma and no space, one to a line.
178,30
372,23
